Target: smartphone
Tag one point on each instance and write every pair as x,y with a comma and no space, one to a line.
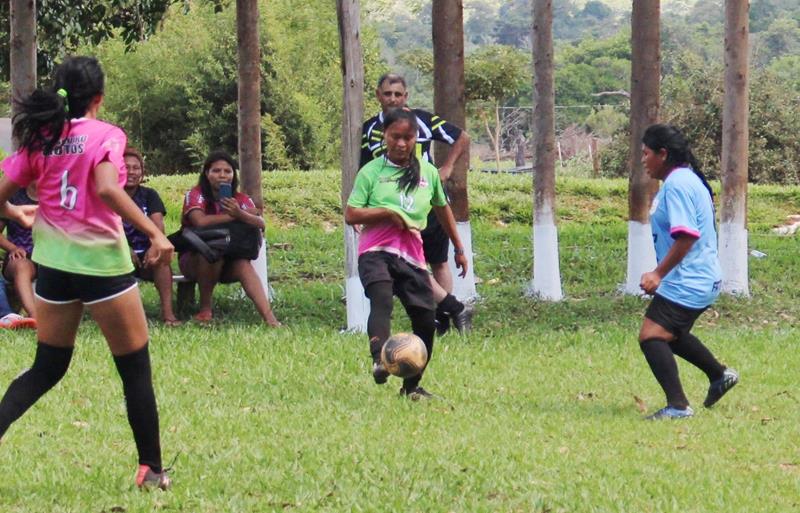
225,190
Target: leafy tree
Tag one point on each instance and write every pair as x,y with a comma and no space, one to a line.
782,37
175,93
493,75
64,25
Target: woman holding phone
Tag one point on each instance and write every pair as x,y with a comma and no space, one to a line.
215,200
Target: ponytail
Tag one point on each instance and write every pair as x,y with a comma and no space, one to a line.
43,115
671,139
40,121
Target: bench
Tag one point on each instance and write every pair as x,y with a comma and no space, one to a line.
185,296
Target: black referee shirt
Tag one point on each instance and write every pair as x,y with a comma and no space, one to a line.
430,128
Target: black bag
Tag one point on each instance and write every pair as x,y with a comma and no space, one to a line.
233,240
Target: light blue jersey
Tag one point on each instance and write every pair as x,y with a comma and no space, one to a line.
683,206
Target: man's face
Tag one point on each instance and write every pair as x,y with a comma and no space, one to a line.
391,96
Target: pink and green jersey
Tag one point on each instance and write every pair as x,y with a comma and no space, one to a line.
74,231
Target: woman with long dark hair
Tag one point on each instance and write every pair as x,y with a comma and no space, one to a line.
688,276
205,206
391,197
76,162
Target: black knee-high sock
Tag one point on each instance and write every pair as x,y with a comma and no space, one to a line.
423,326
659,356
49,366
379,323
140,401
690,348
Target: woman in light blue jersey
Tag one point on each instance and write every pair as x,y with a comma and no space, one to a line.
687,278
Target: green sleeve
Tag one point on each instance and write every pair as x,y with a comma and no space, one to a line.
359,196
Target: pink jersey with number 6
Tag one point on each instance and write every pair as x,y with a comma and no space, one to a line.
74,230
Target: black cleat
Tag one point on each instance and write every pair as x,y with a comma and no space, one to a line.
416,394
720,387
379,373
442,323
463,319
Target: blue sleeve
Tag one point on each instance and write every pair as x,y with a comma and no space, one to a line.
681,212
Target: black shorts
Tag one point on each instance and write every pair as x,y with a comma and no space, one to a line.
61,287
435,242
411,284
671,316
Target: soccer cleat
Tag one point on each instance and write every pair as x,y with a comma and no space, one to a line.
442,322
146,478
720,387
463,319
668,412
416,394
379,373
14,321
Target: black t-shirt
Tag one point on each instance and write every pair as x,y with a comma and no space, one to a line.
149,202
430,128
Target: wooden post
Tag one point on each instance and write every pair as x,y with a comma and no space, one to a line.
347,12
733,211
645,103
449,102
23,49
249,103
546,281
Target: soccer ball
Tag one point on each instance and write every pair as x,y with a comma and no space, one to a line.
404,355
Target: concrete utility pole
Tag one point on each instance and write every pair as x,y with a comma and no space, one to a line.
449,102
733,211
546,281
347,12
645,104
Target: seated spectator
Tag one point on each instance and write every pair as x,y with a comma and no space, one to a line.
18,267
9,319
150,203
202,207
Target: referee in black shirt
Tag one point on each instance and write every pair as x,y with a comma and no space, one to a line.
392,94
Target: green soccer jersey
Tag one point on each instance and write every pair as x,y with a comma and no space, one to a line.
376,187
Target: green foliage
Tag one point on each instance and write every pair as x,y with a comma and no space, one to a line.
176,93
495,73
64,25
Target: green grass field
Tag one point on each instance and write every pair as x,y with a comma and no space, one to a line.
542,402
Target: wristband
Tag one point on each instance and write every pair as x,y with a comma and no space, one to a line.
457,251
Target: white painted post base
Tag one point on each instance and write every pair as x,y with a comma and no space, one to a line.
463,288
357,302
260,266
546,282
641,256
733,259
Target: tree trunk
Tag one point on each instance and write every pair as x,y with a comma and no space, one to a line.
733,211
449,102
249,118
347,12
22,49
249,98
645,102
546,281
